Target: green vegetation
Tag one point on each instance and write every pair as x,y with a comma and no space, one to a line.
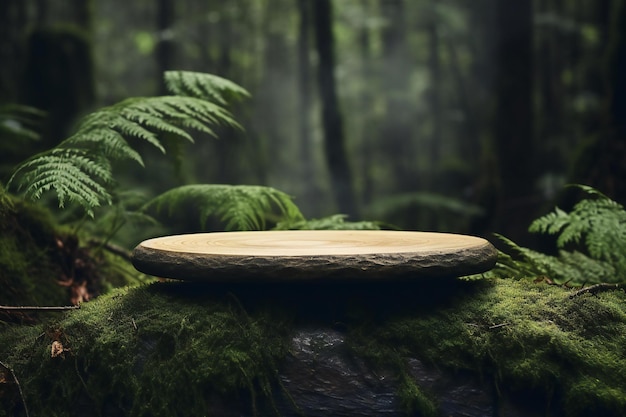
591,242
524,337
168,349
79,169
238,207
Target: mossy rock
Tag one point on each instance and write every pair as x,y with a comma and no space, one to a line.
43,264
182,349
29,258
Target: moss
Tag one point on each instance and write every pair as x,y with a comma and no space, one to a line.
143,352
29,269
43,264
170,349
530,339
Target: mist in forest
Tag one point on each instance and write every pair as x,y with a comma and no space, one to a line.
459,116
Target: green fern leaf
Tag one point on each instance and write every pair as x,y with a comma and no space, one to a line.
334,222
20,121
79,169
205,86
238,207
596,226
551,223
71,173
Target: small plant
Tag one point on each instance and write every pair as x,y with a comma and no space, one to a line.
79,169
591,240
238,207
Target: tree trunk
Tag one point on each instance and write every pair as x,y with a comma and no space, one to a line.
12,25
514,121
304,107
397,127
165,49
335,149
603,162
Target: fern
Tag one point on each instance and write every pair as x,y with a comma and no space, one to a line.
591,240
568,267
238,207
18,121
207,86
79,168
597,223
334,222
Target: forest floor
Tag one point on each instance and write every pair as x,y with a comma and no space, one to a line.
180,349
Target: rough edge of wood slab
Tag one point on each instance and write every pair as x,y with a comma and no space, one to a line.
371,267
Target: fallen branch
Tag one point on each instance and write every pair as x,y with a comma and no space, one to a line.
598,288
17,384
38,308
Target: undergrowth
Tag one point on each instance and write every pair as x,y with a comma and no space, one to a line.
171,350
520,337
591,243
141,352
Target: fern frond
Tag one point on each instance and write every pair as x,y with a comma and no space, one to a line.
206,86
598,222
82,161
334,222
597,226
74,175
20,121
238,207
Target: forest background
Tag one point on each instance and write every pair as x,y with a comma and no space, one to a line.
446,115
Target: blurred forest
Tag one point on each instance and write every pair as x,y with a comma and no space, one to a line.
446,115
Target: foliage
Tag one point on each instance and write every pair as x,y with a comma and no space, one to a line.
168,349
79,169
18,121
333,222
145,352
416,207
239,207
519,336
29,255
591,240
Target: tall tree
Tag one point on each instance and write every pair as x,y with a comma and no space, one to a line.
166,16
397,127
335,148
513,125
305,101
603,162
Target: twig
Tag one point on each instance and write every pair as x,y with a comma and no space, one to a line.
597,288
497,326
38,308
114,249
19,387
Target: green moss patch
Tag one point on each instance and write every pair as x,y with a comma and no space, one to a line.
143,352
171,349
41,264
529,340
29,263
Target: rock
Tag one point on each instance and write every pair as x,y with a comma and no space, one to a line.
319,255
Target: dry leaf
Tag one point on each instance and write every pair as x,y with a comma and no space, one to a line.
56,349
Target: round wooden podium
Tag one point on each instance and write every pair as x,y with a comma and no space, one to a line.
313,255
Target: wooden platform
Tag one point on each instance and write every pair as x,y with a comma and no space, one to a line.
313,255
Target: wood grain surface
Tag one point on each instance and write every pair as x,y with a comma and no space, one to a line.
312,255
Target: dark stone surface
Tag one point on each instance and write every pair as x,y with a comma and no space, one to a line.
322,378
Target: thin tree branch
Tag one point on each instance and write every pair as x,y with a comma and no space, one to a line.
19,387
598,288
114,249
38,308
